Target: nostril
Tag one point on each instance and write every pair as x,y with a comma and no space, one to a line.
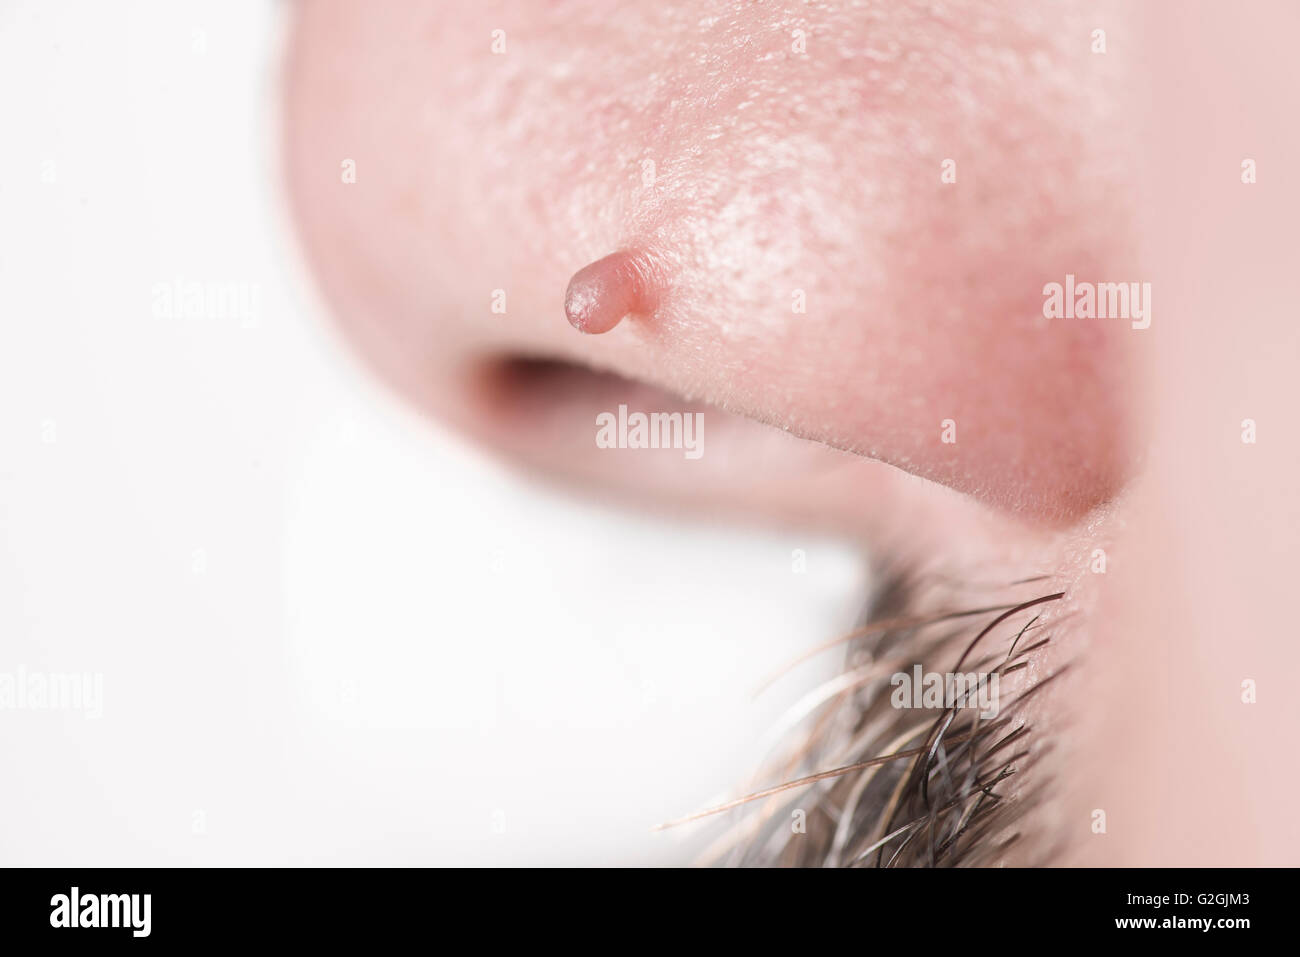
531,389
551,414
548,412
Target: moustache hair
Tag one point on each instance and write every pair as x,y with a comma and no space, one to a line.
869,784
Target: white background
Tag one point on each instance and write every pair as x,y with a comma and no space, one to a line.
327,632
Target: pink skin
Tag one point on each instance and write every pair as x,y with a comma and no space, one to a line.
760,187
775,175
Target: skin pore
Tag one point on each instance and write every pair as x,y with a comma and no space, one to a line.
831,226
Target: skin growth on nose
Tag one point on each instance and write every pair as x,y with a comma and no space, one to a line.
602,293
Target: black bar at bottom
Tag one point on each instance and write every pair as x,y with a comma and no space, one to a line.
528,908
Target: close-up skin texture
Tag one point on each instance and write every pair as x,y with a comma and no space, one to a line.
815,271
832,228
